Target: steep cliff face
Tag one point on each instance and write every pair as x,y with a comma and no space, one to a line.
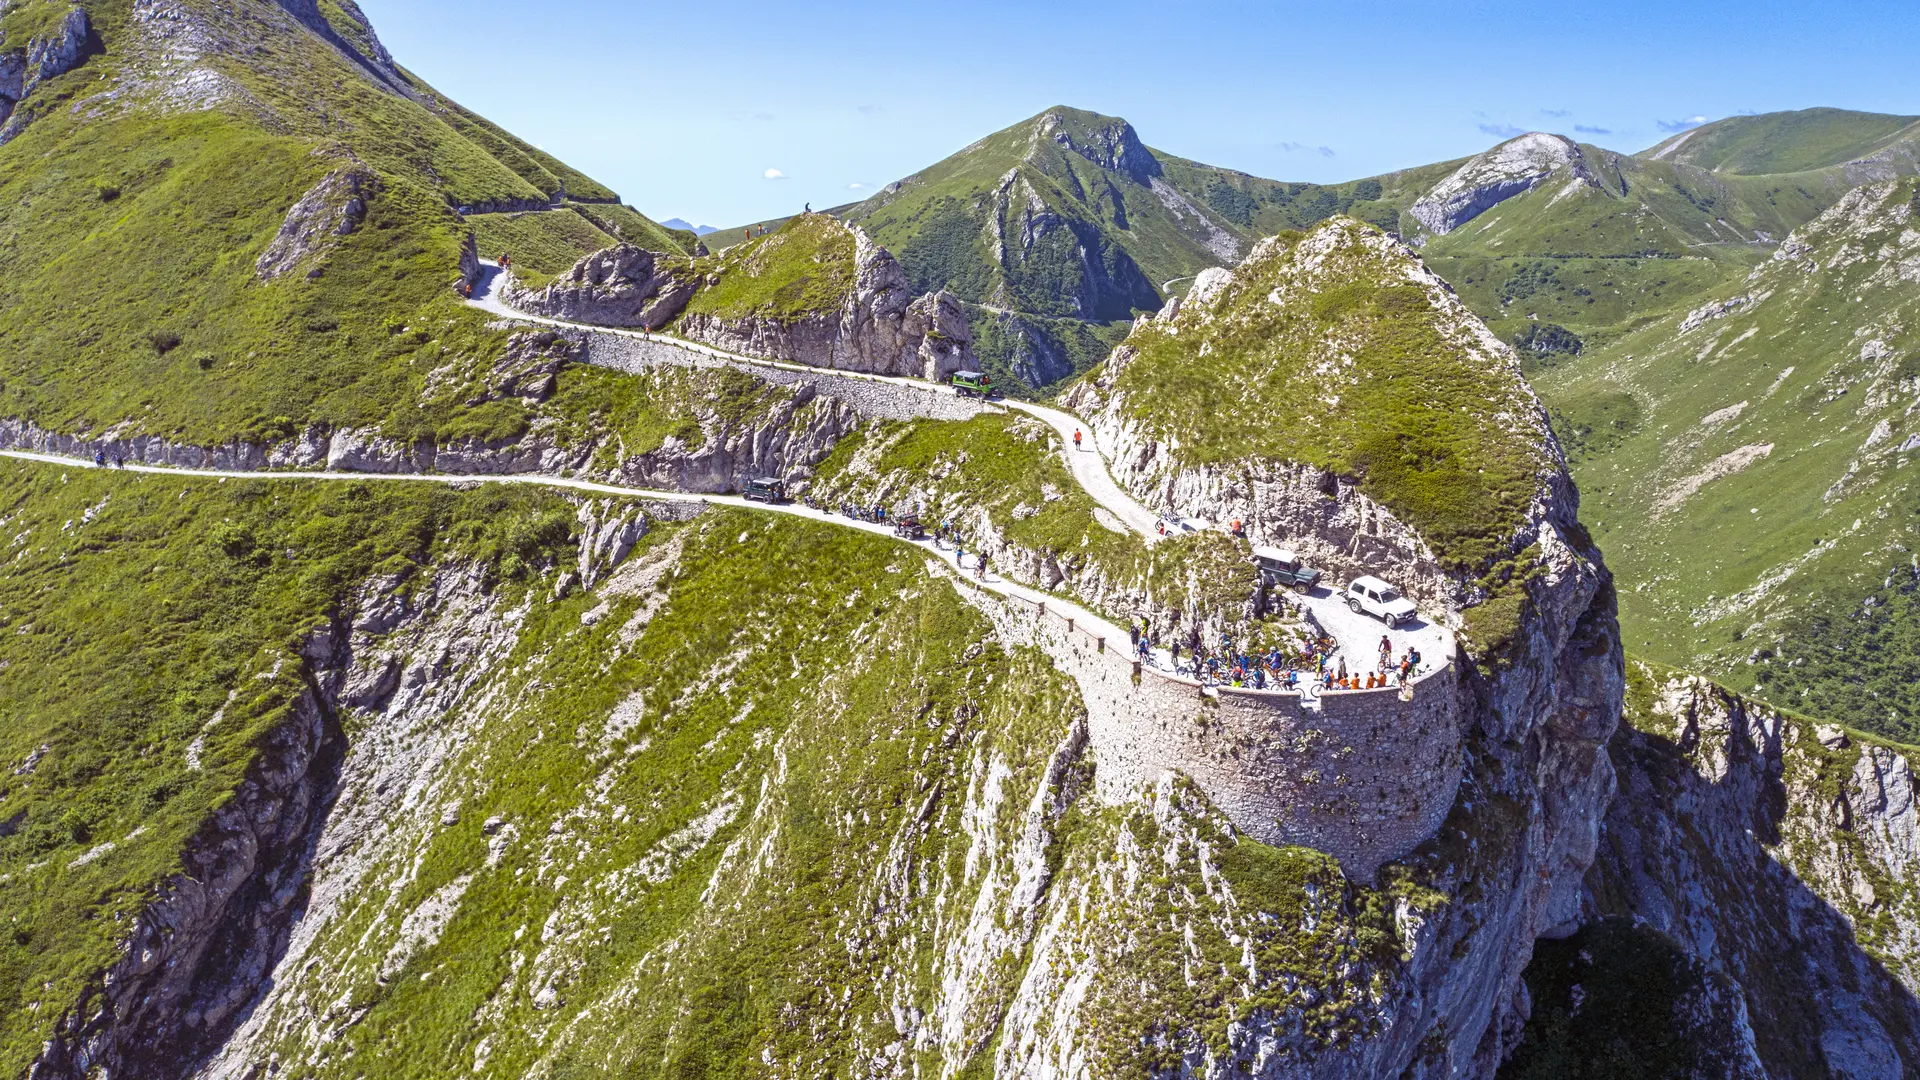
1782,854
1334,397
819,292
197,953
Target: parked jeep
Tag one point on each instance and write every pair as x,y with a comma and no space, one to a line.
1371,596
766,489
1279,566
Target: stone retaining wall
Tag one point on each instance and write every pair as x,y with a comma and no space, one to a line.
1365,777
869,397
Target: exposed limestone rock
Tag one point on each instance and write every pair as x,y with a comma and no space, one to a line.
531,365
62,50
1112,145
45,57
881,327
1778,859
1516,166
196,955
620,286
13,80
332,208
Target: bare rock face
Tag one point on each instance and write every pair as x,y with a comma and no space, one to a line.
333,208
1782,854
1490,179
880,328
620,286
196,954
62,50
531,365
48,56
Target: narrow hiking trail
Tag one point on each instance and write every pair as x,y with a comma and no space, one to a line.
968,574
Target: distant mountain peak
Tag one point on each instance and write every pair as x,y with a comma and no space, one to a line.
1107,141
1518,165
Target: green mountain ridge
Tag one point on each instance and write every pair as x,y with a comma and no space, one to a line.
323,777
1061,227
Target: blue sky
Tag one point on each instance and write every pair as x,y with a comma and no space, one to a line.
690,109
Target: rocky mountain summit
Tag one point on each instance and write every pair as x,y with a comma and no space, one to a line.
1509,169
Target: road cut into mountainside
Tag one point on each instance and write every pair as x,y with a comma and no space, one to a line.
1356,635
1364,775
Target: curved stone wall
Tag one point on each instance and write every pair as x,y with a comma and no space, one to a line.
1366,777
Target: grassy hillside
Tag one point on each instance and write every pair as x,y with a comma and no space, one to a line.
153,630
1334,349
804,268
1056,230
1066,224
1788,142
1744,467
152,178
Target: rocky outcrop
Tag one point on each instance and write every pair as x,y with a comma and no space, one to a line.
1510,169
45,57
880,327
61,50
1535,720
1783,855
1110,143
198,954
333,208
620,286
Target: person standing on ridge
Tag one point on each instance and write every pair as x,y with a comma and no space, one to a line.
1076,438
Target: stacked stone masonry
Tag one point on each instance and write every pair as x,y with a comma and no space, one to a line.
1366,777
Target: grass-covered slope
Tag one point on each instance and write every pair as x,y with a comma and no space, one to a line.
769,794
1609,242
153,633
1790,142
1335,348
805,268
1746,464
151,179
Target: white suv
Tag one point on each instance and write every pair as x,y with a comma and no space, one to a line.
1371,596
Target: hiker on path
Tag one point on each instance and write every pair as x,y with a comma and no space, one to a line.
981,569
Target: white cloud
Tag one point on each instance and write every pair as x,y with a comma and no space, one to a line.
774,174
856,186
1681,125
